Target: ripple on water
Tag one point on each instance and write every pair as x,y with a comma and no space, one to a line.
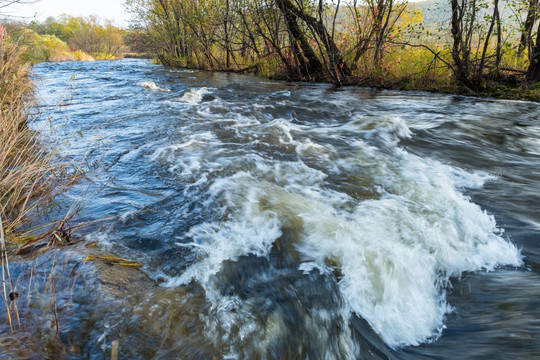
289,221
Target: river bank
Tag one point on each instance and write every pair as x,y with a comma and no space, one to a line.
425,46
394,76
32,172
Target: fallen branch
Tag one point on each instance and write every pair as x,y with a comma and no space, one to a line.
523,72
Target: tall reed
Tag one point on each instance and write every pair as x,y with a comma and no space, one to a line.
31,172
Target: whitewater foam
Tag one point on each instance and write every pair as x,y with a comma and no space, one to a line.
194,96
150,85
395,231
396,253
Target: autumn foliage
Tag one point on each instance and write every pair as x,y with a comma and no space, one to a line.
388,43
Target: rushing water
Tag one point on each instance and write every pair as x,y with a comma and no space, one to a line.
292,221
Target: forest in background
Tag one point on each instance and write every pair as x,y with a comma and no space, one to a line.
466,46
68,38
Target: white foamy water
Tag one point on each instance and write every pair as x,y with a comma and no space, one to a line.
395,246
150,85
194,96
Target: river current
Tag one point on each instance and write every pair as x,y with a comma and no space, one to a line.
294,221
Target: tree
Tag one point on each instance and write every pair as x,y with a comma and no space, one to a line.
90,34
526,40
472,29
530,41
373,22
334,65
533,71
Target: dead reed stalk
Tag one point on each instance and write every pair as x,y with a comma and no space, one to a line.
32,172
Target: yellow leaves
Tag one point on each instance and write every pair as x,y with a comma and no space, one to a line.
409,18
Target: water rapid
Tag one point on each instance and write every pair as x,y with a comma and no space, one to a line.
293,221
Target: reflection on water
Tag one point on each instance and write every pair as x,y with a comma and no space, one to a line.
291,221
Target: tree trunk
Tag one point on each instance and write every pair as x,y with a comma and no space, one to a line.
319,29
227,40
494,19
460,61
525,42
314,67
533,72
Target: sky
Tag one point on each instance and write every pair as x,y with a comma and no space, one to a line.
105,9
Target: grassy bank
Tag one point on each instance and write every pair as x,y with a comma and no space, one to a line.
47,47
417,68
31,172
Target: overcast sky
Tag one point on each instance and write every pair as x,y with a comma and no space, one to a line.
106,9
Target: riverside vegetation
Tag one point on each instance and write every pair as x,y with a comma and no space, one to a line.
489,47
68,38
31,170
32,173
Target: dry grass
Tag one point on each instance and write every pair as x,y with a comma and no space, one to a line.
31,171
70,56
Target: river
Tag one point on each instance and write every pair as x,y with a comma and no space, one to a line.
294,221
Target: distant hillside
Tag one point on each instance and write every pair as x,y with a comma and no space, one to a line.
433,11
437,12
